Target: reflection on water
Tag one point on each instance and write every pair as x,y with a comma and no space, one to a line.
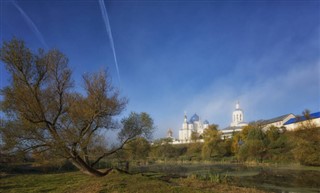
277,179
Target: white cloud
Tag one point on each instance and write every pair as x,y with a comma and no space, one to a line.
267,98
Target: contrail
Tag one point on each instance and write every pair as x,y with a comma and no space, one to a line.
30,24
108,28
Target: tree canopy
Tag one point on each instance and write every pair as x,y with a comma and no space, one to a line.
44,111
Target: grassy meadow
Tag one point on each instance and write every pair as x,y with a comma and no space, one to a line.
70,182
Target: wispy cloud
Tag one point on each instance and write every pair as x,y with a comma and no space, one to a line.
108,28
261,99
30,23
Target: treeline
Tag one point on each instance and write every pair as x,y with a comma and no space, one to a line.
252,144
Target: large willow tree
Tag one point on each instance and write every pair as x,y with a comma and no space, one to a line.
44,111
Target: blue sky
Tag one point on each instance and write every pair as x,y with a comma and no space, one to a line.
176,56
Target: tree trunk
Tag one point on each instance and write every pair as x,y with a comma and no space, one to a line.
87,169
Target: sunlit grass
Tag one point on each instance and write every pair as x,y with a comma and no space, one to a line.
115,182
64,182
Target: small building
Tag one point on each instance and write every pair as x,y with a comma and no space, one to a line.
303,121
276,122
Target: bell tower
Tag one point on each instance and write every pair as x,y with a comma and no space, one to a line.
237,116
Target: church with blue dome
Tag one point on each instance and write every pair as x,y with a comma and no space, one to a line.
193,125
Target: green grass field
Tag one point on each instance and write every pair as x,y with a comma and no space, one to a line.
115,182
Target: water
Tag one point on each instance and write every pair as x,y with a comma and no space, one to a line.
282,179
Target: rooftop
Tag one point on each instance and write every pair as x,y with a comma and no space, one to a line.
273,120
194,118
302,118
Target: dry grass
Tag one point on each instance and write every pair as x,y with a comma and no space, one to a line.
72,182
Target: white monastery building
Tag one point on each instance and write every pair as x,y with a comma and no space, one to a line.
193,125
288,122
295,122
277,121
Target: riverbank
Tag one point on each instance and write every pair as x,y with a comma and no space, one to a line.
272,177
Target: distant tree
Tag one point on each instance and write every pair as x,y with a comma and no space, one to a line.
305,122
227,146
44,112
213,144
162,141
137,149
245,131
273,133
255,144
305,140
195,136
194,150
278,146
163,149
252,143
236,143
306,148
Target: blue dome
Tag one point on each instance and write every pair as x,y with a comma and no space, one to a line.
206,122
194,118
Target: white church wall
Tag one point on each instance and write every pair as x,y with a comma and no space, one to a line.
293,126
195,125
278,123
